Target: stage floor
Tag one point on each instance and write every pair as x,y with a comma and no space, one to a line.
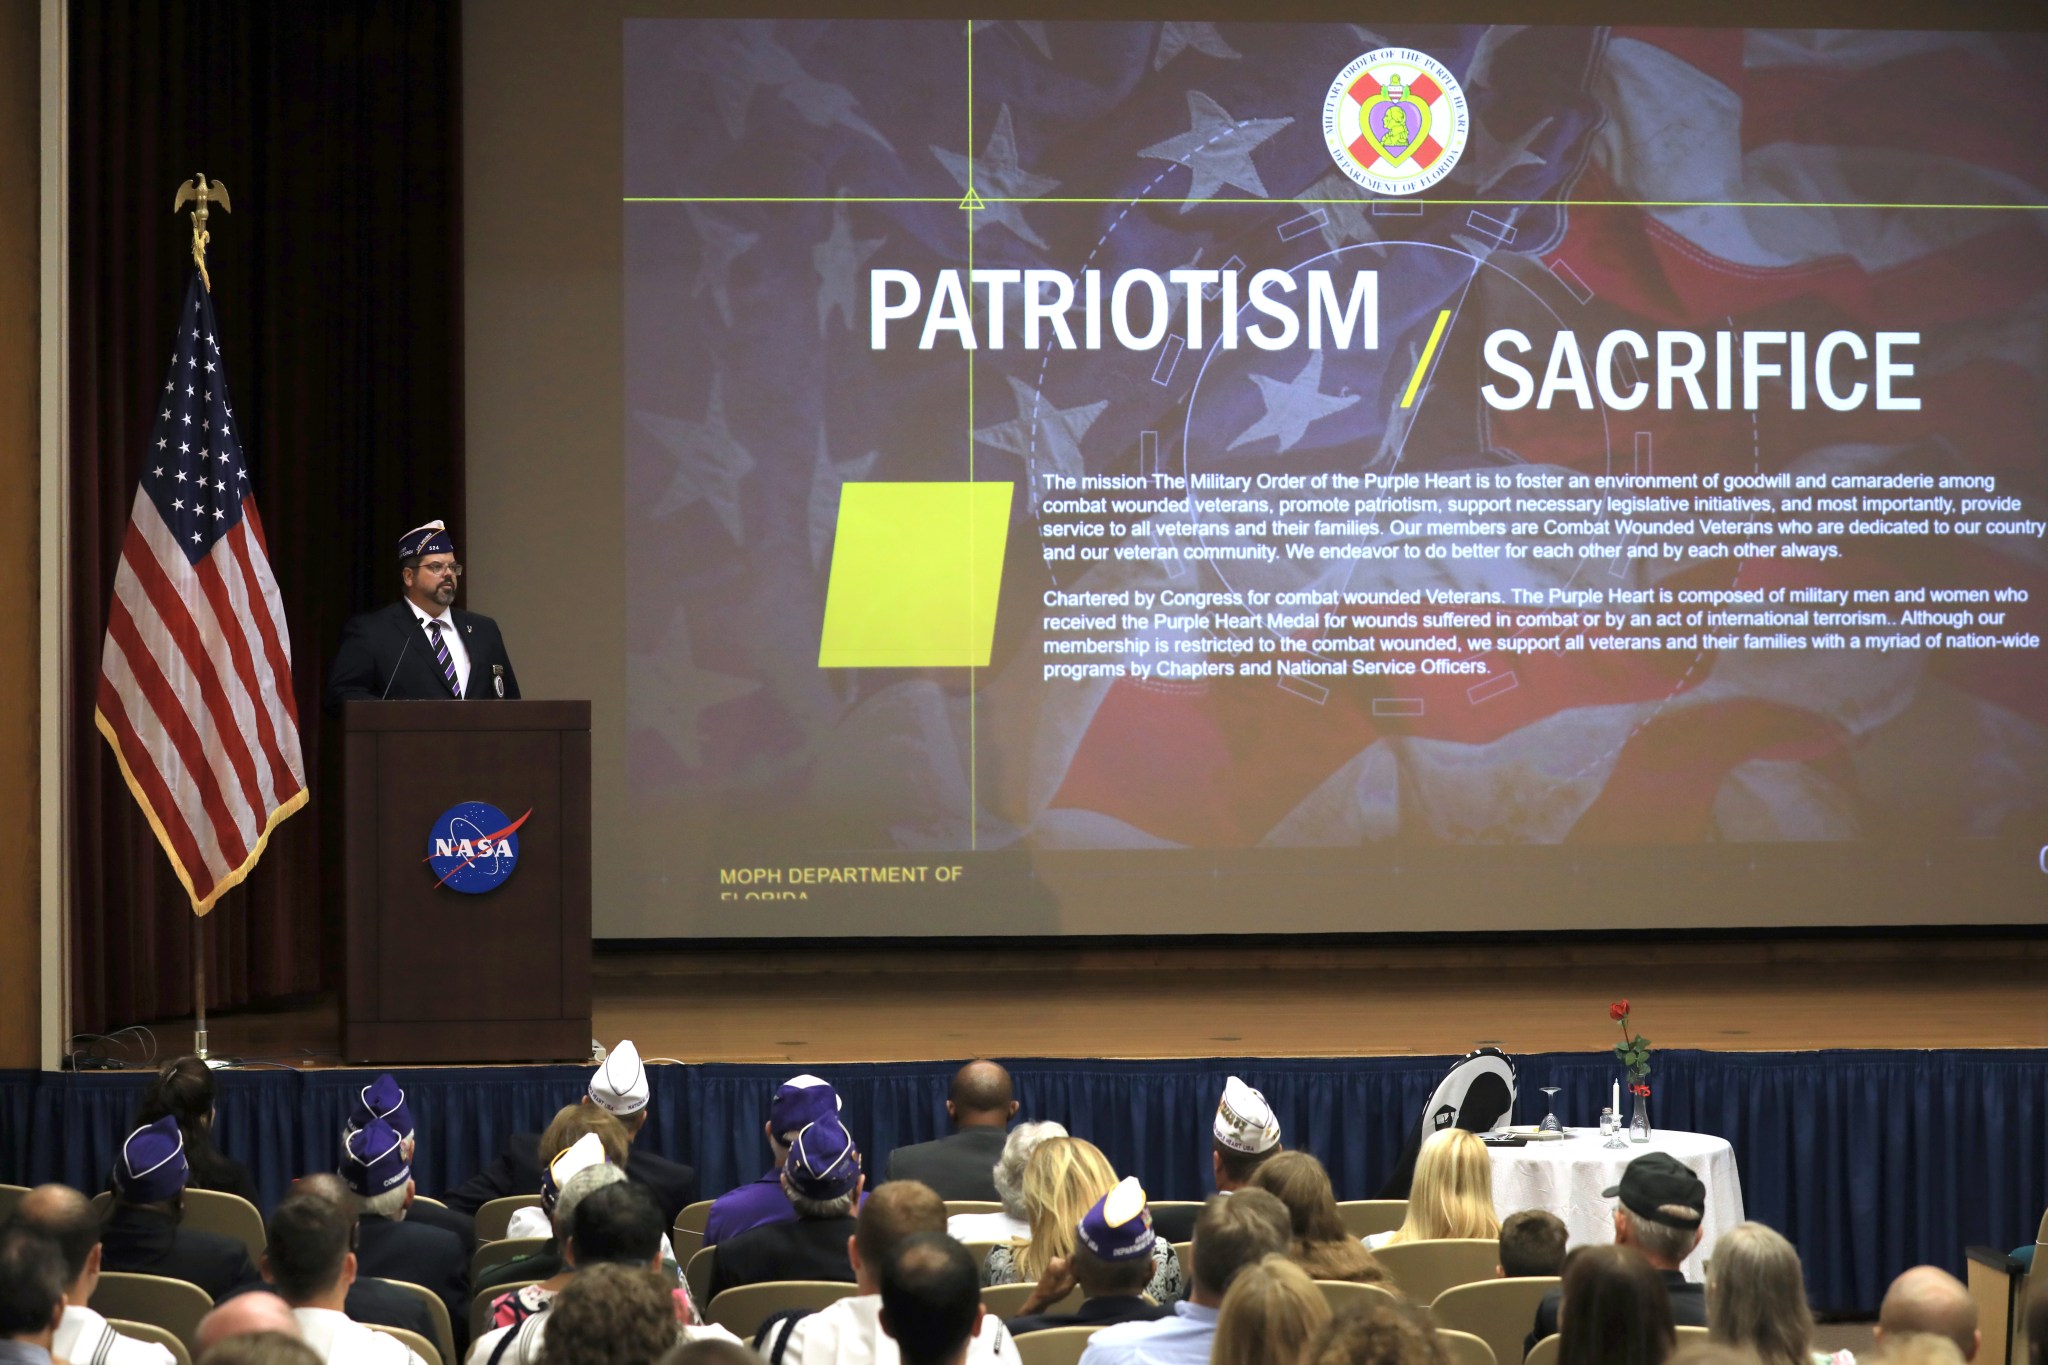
896,1004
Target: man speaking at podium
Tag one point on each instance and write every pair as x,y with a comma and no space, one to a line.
422,648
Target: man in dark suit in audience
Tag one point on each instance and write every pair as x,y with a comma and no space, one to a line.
1112,1264
962,1164
1662,1206
1242,1136
372,1301
389,1245
383,1099
143,1235
620,1087
823,1181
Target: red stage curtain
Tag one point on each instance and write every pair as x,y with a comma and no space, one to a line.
337,282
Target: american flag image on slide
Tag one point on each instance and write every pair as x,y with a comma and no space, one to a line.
195,688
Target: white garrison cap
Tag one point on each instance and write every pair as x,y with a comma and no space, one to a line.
1244,1121
620,1085
581,1155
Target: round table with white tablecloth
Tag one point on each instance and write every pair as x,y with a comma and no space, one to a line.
1567,1177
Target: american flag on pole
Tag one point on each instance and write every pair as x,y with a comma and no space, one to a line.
195,690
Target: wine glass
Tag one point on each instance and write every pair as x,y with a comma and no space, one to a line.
1550,1122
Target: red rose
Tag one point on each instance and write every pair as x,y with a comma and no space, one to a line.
1618,1011
1639,1088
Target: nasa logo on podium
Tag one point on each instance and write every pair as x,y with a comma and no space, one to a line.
474,847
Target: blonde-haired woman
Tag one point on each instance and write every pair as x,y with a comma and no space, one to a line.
1269,1314
1756,1299
1062,1181
1452,1195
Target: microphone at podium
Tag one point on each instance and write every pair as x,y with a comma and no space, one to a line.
464,658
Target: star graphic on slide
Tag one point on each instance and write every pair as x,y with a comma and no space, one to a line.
670,693
1176,38
828,478
998,176
1217,149
709,462
723,244
1042,431
1293,407
743,56
838,260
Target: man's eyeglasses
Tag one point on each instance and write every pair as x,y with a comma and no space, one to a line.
450,570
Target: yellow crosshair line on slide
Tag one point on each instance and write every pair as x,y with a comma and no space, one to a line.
1436,334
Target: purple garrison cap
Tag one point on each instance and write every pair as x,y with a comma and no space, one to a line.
373,1159
1119,1226
151,1168
799,1101
822,1161
431,539
381,1099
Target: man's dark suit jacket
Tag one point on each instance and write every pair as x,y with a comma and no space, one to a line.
386,654
429,1257
808,1249
1102,1312
1688,1307
147,1241
436,1216
960,1165
1175,1225
516,1170
386,1305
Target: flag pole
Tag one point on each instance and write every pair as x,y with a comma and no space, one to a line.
198,191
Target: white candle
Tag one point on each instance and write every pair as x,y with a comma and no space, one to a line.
1617,1099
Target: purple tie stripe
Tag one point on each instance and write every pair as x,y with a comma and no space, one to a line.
447,662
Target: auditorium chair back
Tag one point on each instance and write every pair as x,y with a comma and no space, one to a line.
1054,1345
1427,1268
1368,1217
1343,1294
1498,1312
174,1305
496,1215
1007,1300
1462,1348
414,1342
154,1335
742,1310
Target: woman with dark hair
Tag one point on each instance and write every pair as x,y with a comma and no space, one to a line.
1615,1310
183,1090
1321,1245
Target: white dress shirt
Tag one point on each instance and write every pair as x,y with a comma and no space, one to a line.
1183,1339
987,1227
83,1335
339,1338
457,651
850,1333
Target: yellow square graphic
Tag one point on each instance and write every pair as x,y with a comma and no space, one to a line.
915,573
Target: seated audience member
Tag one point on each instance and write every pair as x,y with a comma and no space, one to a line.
142,1234
614,1315
574,1128
616,1224
1321,1245
1915,1348
1927,1299
1232,1232
931,1300
255,1313
1111,1262
823,1181
1661,1205
850,1330
1272,1310
1616,1310
389,1245
515,1306
619,1087
183,1091
1064,1179
797,1102
1756,1299
67,1218
309,1264
31,1295
1243,1134
1382,1334
1013,1223
960,1165
370,1301
261,1348
383,1099
1532,1243
1452,1195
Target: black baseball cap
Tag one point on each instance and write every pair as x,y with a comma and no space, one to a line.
1654,1184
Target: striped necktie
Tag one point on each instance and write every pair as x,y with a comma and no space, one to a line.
446,660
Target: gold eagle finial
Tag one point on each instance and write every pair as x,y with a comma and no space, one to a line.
200,193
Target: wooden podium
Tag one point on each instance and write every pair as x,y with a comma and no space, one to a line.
431,974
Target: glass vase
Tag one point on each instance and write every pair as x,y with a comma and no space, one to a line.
1639,1122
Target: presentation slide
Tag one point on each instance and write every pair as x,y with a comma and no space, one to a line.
1135,478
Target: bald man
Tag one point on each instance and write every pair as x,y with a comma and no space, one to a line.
1929,1301
256,1311
962,1165
67,1218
